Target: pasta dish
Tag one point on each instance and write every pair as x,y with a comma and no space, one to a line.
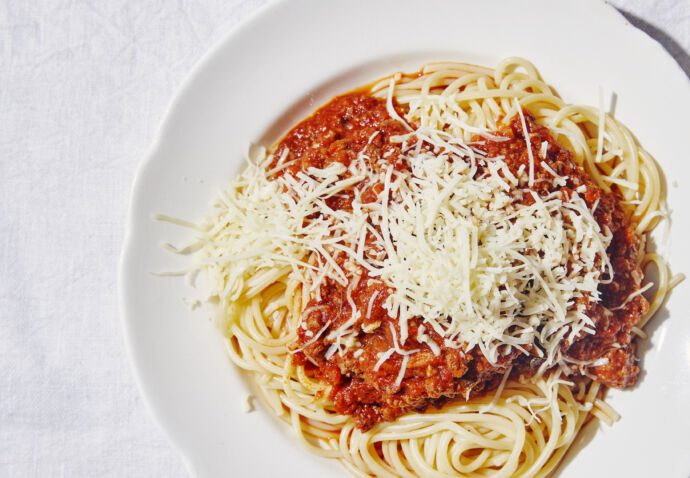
440,273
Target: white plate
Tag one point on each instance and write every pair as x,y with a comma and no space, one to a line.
293,56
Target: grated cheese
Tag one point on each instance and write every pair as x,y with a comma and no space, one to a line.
401,373
528,143
371,303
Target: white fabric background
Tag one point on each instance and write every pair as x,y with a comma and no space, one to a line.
83,86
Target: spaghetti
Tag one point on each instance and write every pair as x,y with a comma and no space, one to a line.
438,274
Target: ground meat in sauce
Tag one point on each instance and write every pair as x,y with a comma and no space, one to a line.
337,133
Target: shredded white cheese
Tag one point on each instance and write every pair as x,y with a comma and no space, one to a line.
401,373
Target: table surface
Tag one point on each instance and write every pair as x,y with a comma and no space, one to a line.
83,87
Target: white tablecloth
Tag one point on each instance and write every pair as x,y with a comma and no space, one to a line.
83,85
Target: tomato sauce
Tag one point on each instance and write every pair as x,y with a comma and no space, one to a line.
367,388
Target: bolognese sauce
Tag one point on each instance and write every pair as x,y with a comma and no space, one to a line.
373,385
